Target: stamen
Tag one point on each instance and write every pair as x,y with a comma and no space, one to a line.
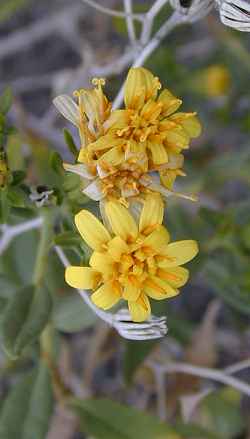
99,82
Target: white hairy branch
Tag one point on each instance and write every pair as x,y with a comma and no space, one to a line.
221,376
164,30
130,21
112,12
10,232
149,20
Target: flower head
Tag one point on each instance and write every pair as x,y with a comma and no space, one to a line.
149,125
131,260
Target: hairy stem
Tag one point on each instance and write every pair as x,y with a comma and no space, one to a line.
43,246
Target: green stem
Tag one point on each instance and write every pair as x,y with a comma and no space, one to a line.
43,246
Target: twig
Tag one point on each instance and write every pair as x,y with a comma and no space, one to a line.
112,12
237,367
23,38
161,393
149,19
129,21
164,30
115,67
213,374
10,232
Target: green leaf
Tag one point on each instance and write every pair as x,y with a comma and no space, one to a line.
24,319
9,7
219,277
7,286
5,101
222,411
68,239
70,143
56,162
105,419
4,206
17,177
194,431
17,197
71,314
27,410
134,355
16,160
14,264
3,303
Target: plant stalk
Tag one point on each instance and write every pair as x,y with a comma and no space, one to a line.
43,246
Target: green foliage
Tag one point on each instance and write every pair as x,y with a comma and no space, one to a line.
28,408
68,239
105,419
55,162
135,353
71,314
25,317
10,7
5,101
222,410
70,143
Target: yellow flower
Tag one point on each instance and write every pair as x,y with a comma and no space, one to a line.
216,81
148,125
89,115
131,260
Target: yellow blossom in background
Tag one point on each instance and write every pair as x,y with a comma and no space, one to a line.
214,81
217,80
131,260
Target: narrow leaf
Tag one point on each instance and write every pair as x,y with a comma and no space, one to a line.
5,101
70,143
27,410
24,319
105,419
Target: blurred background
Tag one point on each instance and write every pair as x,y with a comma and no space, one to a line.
53,47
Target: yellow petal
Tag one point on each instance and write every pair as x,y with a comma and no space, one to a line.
157,240
134,89
177,138
116,247
152,213
159,289
169,102
91,230
175,161
131,291
140,85
113,157
121,221
175,276
118,119
82,277
105,142
140,310
168,177
102,262
178,253
159,153
192,126
189,122
106,296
